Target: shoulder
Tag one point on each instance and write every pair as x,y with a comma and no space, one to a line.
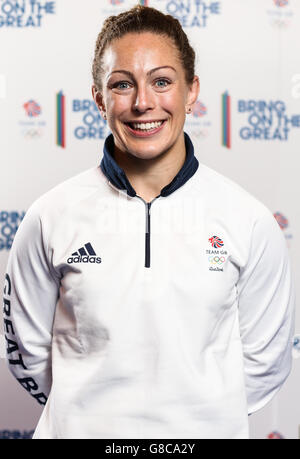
224,193
68,193
242,219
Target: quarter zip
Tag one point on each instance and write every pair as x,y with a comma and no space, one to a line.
147,233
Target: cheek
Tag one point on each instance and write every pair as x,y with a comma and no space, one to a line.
173,102
116,105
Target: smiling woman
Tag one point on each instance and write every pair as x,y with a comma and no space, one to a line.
149,296
144,84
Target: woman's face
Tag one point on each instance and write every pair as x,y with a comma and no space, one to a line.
144,82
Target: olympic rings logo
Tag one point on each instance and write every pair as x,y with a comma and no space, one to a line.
33,133
216,260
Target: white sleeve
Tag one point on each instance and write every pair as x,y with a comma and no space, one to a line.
31,290
266,313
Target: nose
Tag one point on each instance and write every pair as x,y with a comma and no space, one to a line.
144,99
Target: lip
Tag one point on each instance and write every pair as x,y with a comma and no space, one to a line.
144,134
144,121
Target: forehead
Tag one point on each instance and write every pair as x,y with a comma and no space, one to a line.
137,51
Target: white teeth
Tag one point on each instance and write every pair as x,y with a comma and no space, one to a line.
147,126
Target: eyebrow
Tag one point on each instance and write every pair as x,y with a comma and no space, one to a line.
148,73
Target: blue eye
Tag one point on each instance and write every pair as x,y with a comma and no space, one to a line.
121,85
162,80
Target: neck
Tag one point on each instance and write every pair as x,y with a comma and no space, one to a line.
149,176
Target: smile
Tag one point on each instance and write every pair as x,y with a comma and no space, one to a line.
145,128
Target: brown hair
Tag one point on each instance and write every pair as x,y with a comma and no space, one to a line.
143,19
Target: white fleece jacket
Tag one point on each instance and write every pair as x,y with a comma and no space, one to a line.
131,320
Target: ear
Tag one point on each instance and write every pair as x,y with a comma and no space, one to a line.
193,92
98,98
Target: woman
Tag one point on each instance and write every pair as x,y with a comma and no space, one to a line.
150,297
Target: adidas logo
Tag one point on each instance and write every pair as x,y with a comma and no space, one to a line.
85,254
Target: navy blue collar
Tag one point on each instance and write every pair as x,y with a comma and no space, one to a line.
117,176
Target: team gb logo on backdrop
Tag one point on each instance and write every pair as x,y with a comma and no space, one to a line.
281,3
32,125
24,13
198,124
285,226
280,13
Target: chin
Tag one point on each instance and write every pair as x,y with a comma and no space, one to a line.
143,154
146,153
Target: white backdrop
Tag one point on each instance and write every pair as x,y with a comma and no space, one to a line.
249,48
